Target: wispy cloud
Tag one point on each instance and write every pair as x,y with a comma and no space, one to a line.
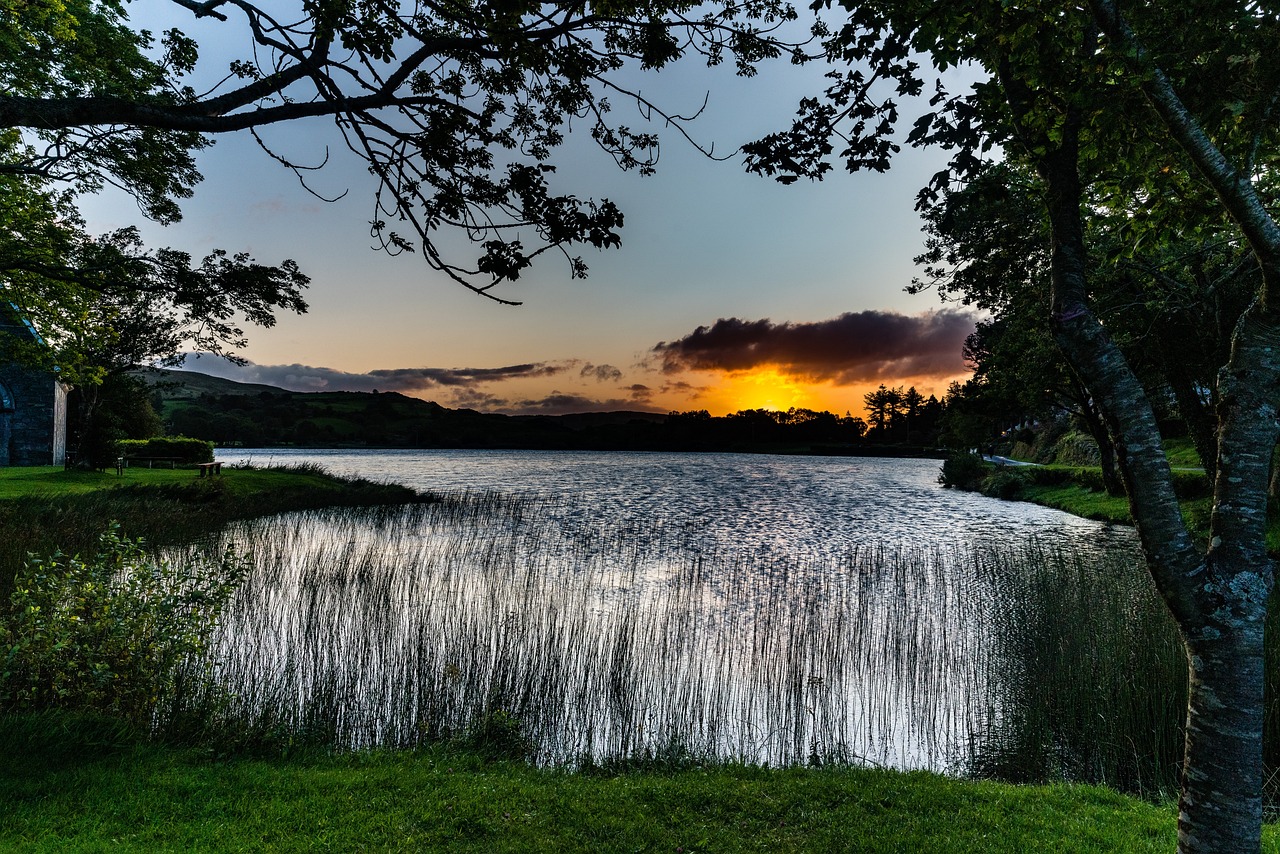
560,403
458,388
311,378
855,347
601,373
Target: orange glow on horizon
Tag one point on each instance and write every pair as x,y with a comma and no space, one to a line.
769,388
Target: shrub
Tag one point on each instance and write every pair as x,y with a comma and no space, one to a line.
180,447
109,634
963,471
1004,483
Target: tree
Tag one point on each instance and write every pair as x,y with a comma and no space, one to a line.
1091,101
106,305
455,107
883,405
1170,304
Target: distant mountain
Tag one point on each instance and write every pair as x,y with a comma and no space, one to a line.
256,415
189,384
261,416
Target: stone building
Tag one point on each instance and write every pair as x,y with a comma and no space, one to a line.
33,405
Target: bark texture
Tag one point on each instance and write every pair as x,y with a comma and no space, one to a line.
1218,599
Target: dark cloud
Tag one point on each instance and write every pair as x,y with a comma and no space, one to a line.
417,378
639,391
601,373
309,378
856,347
474,398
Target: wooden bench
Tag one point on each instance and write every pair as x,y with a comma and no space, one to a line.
151,461
209,469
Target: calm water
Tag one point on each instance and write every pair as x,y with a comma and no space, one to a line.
801,506
760,608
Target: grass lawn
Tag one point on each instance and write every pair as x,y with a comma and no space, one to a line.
152,798
47,481
46,509
1080,502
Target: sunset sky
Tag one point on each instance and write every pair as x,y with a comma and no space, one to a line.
730,291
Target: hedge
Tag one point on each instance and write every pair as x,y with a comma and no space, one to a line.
181,448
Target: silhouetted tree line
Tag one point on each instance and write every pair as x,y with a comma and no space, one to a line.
902,420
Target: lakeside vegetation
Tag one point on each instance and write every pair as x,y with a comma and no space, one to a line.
1078,487
228,795
45,508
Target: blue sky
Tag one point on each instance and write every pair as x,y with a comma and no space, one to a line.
703,242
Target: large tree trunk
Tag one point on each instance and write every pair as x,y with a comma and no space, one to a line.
1220,809
1218,600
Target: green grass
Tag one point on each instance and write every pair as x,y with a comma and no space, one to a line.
45,509
1080,502
1181,453
153,798
1071,495
49,481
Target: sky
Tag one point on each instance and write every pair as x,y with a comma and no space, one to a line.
730,291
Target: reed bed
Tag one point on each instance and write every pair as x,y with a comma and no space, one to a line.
390,627
534,629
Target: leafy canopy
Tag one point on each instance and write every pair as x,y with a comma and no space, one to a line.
456,107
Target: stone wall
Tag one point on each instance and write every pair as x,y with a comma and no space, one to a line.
33,406
36,426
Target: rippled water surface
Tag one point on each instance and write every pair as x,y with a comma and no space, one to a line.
787,504
762,608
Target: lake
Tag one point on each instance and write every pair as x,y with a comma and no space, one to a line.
792,505
611,607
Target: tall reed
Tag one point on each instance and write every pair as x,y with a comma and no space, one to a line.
389,628
1089,676
590,642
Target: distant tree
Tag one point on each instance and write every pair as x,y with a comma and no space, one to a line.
884,407
852,428
910,406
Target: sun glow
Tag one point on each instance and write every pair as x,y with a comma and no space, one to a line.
766,388
770,388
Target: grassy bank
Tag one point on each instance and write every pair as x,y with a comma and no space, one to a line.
1080,501
149,798
1078,490
43,509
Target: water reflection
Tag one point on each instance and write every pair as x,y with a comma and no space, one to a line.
773,610
796,506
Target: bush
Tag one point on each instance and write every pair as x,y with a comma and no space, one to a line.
109,635
180,447
963,471
1004,483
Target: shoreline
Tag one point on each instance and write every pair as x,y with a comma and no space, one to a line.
450,797
46,509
